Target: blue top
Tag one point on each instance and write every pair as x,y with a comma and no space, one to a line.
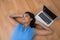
20,33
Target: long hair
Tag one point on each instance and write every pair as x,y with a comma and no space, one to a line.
32,23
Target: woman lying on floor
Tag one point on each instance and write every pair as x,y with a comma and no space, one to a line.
26,27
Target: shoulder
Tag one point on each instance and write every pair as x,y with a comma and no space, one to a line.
18,25
36,31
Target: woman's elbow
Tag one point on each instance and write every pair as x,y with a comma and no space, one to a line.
50,32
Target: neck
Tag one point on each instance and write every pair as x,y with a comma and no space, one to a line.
26,25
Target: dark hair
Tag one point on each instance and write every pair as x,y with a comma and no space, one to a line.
32,23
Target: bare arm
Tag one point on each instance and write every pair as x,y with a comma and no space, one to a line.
13,19
45,31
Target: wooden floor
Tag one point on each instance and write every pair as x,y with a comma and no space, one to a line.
8,7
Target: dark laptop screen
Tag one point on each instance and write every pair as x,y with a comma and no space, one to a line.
49,13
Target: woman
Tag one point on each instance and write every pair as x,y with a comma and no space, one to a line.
26,27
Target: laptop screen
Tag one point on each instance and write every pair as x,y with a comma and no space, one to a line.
49,13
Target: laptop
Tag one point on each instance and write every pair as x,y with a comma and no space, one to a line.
46,16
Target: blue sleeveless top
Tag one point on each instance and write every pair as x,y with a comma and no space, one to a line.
20,33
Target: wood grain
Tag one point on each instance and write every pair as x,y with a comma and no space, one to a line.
8,7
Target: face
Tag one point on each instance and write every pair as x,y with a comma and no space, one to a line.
26,18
